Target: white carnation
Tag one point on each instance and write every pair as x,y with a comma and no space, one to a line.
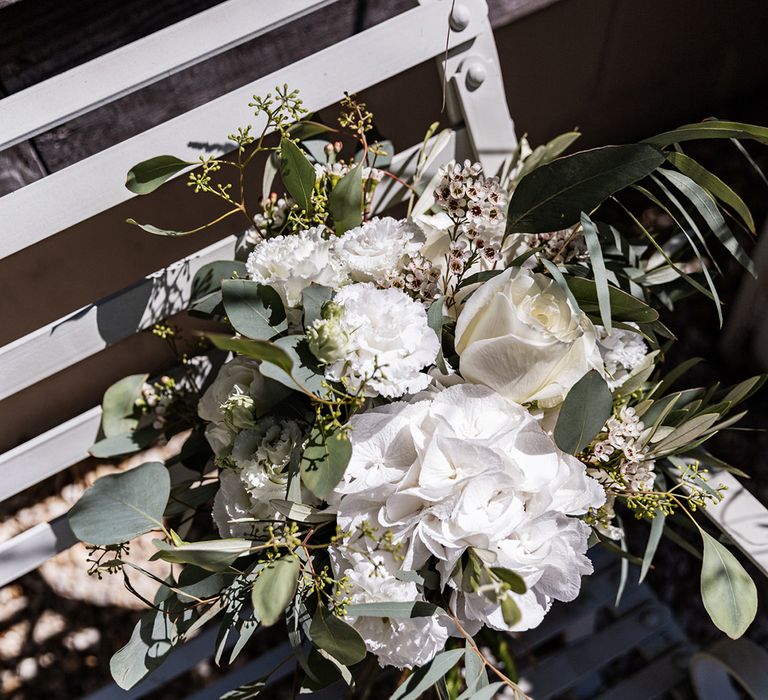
470,469
390,341
622,352
291,263
377,249
256,475
396,641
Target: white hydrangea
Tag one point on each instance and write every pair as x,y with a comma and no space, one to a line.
256,474
291,263
470,469
390,341
377,249
399,642
622,352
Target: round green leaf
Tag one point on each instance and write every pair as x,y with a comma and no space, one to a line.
576,426
728,593
118,408
274,588
119,507
254,310
336,637
324,462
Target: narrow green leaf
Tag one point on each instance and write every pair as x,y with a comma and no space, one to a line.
657,527
147,176
336,637
728,593
247,691
345,203
257,349
425,677
711,129
709,181
743,390
118,407
595,251
119,507
487,692
510,610
156,230
435,322
624,572
708,210
546,153
624,307
297,173
274,588
302,513
576,427
324,461
211,555
553,196
254,310
514,581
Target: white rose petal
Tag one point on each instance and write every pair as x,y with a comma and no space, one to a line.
520,335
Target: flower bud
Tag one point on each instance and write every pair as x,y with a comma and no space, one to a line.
238,411
328,339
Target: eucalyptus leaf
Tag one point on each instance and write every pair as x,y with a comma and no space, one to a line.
157,231
553,196
312,300
147,176
657,528
345,203
297,173
510,611
124,443
624,307
336,637
274,588
305,373
209,277
728,592
254,310
425,677
302,513
576,427
598,269
513,580
324,461
487,692
152,639
118,407
211,555
256,349
119,507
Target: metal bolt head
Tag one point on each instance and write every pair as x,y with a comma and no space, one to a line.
460,18
476,75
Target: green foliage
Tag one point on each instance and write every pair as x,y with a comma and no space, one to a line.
119,507
577,427
124,443
407,609
729,594
209,277
425,677
254,310
553,196
336,637
119,413
624,307
297,173
324,461
147,176
598,269
211,555
274,588
711,129
312,299
345,203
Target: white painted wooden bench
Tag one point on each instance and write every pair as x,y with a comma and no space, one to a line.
52,206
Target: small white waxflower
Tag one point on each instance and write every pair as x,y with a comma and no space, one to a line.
292,263
378,248
390,342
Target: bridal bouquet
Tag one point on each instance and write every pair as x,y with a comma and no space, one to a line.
414,424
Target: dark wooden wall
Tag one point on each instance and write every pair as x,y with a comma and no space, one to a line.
618,69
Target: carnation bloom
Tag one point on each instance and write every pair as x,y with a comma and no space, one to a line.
377,249
468,469
396,641
520,335
390,341
291,263
256,474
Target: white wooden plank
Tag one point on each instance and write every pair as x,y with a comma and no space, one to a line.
134,66
50,205
33,547
743,518
48,453
92,328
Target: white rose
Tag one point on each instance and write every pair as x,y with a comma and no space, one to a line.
469,469
390,341
291,263
396,641
520,335
237,377
377,249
